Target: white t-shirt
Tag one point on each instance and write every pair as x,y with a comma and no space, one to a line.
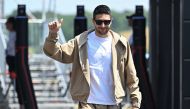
11,44
100,61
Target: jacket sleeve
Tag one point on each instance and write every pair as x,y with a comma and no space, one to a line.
132,80
60,52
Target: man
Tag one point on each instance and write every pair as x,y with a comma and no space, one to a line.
102,63
131,38
11,57
130,23
10,51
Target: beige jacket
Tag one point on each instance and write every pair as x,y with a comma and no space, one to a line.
75,51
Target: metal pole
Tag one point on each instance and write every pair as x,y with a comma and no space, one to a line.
80,21
22,68
139,38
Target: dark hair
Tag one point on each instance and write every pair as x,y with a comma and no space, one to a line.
12,20
130,17
101,9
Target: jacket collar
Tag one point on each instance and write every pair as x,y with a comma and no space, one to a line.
116,37
84,37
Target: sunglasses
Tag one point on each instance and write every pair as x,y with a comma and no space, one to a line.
99,22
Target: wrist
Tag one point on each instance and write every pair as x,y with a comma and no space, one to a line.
53,35
53,31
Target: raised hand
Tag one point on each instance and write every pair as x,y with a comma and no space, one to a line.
55,25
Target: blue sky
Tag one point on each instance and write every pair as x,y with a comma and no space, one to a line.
69,6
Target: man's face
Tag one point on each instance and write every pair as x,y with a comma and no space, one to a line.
9,26
102,23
